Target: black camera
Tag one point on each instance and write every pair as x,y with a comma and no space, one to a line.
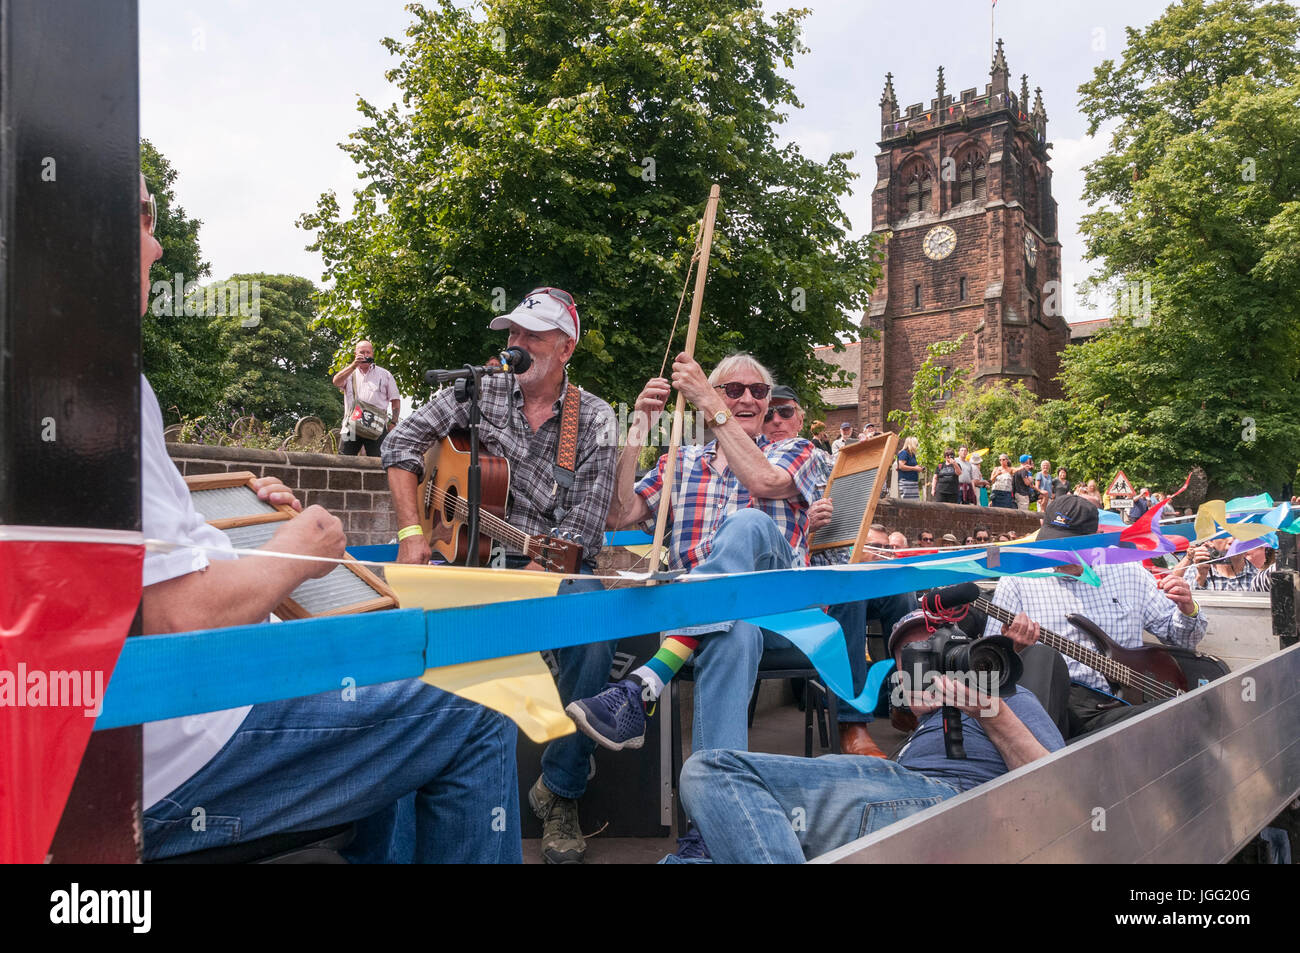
950,651
989,665
367,360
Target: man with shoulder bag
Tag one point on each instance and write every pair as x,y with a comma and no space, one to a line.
371,403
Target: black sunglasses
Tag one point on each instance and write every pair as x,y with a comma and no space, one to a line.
927,539
735,389
785,412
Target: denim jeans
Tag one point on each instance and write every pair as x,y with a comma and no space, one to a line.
726,662
432,775
771,808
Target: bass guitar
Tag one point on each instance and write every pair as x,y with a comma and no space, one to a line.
1137,675
444,510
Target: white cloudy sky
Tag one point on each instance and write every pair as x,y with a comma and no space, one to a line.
249,100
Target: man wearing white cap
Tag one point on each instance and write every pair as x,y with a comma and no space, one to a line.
522,417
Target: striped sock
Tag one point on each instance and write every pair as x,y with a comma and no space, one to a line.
659,671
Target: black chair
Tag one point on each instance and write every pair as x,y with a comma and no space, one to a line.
303,847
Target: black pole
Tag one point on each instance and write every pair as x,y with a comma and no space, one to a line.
467,389
70,323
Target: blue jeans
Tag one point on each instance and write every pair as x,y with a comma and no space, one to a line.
852,617
772,808
726,662
399,752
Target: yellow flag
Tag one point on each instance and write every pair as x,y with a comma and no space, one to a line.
518,686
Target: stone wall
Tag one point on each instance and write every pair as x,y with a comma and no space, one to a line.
355,489
910,518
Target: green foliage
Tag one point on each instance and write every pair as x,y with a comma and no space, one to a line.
1000,416
1198,200
574,145
180,355
277,367
923,421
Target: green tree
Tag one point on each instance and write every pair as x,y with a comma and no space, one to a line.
574,145
924,419
1196,206
277,364
1003,416
180,354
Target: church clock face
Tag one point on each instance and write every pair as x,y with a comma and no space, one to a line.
939,242
1031,250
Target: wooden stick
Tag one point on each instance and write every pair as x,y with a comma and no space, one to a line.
679,413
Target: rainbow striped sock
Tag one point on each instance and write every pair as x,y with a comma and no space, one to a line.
659,671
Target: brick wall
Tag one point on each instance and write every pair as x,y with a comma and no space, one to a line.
355,489
910,518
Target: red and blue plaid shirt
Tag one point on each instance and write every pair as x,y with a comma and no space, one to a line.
703,497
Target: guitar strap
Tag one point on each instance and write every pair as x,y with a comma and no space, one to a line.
566,451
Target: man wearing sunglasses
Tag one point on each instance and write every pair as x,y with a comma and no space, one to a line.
521,421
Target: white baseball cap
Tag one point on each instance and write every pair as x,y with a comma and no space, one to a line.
543,309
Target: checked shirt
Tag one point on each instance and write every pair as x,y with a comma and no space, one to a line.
704,496
1126,602
537,505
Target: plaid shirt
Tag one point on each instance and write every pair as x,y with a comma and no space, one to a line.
536,504
1126,601
1249,579
703,497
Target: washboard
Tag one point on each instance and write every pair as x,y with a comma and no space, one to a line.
229,502
854,487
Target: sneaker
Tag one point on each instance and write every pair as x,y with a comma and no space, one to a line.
562,840
615,718
691,846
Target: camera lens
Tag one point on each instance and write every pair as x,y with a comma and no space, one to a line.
997,656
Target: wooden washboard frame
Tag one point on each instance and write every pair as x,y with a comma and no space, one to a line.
243,514
854,487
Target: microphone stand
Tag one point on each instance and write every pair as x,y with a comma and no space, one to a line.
467,389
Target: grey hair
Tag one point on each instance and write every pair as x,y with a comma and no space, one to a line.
736,361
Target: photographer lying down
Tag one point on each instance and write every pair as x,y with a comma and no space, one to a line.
766,808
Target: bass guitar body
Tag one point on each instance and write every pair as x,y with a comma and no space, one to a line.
443,493
1152,662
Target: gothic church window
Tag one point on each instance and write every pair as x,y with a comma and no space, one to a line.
972,179
916,188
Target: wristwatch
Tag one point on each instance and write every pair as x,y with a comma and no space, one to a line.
721,417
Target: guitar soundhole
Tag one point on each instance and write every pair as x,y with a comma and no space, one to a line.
450,498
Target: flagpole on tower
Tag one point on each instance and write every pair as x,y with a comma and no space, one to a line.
992,8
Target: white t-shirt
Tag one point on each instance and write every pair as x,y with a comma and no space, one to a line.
177,748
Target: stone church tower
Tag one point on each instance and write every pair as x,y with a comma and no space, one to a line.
965,193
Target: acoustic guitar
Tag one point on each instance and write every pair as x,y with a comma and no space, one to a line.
444,510
1137,675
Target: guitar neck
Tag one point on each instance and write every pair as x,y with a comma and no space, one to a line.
1108,667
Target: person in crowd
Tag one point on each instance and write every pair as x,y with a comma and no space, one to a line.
969,540
909,471
979,485
522,416
1061,485
743,801
1127,601
926,538
948,540
965,488
1001,482
1141,503
981,534
1044,484
869,431
898,540
301,763
945,485
819,438
1023,485
1089,493
1210,567
372,384
846,438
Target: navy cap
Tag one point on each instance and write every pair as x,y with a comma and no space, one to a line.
781,392
1068,515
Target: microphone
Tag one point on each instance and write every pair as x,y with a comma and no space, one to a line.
937,601
513,360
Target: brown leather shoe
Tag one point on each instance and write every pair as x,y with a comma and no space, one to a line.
854,739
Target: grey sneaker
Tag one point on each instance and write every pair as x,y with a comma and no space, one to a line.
562,840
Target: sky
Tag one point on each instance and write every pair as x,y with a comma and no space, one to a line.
249,100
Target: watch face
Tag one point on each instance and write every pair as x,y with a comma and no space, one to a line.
939,242
1031,250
